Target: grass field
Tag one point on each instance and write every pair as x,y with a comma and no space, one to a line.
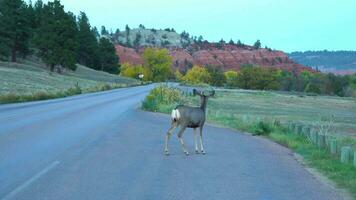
30,77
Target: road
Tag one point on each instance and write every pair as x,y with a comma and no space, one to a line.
101,146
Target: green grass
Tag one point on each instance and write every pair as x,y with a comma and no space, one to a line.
268,113
28,81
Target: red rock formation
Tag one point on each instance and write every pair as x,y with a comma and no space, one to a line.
229,57
128,55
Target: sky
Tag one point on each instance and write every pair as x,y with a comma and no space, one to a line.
288,25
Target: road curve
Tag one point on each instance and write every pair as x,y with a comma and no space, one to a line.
100,146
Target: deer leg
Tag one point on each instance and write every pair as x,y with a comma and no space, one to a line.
196,140
201,141
180,134
168,135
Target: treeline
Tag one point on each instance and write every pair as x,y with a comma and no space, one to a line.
58,37
261,78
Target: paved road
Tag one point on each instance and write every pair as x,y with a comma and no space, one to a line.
100,146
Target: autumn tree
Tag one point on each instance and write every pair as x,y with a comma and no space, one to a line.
197,75
159,62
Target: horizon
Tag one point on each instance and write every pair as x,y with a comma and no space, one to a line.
316,25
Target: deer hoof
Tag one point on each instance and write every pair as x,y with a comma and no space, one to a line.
166,153
196,151
187,153
203,152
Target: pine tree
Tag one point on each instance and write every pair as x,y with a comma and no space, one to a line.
108,58
257,44
14,29
56,36
88,44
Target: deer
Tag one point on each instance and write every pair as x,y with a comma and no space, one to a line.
189,117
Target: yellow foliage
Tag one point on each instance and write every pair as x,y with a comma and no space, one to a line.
129,70
178,75
159,62
197,75
231,78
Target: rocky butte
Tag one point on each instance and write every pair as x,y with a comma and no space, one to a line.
203,53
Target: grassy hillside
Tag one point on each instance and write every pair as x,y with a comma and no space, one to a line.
30,77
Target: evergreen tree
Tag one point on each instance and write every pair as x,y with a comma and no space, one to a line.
108,58
257,44
128,42
14,28
104,31
239,43
55,37
137,40
88,44
231,42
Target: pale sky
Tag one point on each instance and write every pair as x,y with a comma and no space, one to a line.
294,25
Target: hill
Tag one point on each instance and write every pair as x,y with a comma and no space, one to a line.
138,37
188,51
340,62
30,77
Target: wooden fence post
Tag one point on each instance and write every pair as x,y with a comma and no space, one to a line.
314,136
321,141
345,154
333,146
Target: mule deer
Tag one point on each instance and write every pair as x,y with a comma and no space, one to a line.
191,117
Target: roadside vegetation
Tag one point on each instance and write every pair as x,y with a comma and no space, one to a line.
270,114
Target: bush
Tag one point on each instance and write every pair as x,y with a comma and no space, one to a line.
74,90
263,128
161,95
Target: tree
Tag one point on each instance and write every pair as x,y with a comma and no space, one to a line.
200,39
231,78
231,42
108,58
129,70
127,29
197,75
14,28
88,45
217,77
159,62
239,43
137,40
257,44
178,75
104,31
258,78
56,36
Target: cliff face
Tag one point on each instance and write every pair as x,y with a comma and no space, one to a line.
229,57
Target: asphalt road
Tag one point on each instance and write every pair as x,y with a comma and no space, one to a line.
100,146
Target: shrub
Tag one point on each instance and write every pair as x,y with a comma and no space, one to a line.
161,95
263,128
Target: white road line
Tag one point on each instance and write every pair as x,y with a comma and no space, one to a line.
30,181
